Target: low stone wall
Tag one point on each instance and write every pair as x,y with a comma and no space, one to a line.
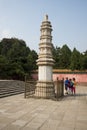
48,90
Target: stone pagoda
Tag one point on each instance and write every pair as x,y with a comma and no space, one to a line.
45,62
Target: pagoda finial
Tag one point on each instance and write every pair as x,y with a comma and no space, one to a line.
46,18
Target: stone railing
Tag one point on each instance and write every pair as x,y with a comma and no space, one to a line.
30,87
59,88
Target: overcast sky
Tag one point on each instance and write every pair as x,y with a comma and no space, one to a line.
22,19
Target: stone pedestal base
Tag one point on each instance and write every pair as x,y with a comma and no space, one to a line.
44,90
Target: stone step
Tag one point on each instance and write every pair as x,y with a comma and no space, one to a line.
10,94
9,88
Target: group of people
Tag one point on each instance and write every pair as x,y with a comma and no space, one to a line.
70,85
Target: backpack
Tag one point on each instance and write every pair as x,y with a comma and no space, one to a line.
71,84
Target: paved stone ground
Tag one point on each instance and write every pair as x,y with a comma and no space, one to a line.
69,113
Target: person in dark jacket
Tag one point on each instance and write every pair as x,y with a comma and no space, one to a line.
66,85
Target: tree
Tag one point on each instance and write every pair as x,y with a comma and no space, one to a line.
84,61
3,67
56,56
75,60
62,57
20,60
17,60
65,57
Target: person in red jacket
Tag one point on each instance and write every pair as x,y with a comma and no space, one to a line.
74,85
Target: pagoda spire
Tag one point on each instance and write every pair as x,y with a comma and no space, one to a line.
46,17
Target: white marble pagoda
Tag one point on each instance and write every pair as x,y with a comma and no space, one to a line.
45,62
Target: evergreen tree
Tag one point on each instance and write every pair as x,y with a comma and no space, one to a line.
84,61
16,59
62,57
75,60
65,57
56,56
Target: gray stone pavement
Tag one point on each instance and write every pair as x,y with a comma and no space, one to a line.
69,113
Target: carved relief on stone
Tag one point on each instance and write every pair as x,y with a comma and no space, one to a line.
48,50
41,50
45,41
42,32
